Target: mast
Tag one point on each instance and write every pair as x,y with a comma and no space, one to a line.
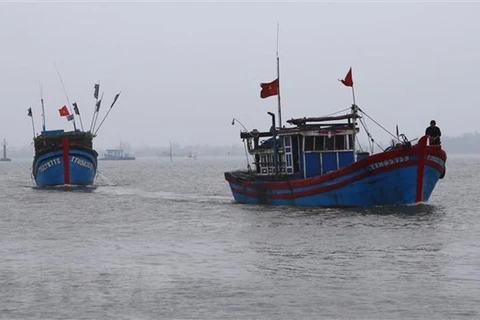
4,149
96,88
278,77
355,112
274,137
66,96
354,135
43,107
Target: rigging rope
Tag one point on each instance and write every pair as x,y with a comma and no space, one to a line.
331,114
378,124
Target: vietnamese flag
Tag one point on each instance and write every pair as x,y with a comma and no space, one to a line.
269,89
348,81
64,111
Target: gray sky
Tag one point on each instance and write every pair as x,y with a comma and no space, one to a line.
185,69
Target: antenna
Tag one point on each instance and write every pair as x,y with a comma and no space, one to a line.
43,108
96,88
66,96
106,115
97,111
278,77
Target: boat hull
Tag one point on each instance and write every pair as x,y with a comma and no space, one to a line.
51,168
396,177
64,158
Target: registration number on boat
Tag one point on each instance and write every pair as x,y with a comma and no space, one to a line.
436,160
388,162
49,164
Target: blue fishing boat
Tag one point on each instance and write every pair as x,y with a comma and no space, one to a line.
316,161
117,154
67,157
64,158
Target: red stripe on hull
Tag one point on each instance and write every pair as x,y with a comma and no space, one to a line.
327,188
384,156
66,161
422,154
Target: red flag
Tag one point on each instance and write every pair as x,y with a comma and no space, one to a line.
64,111
269,89
348,81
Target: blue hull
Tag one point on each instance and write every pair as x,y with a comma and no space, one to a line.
49,168
395,187
405,175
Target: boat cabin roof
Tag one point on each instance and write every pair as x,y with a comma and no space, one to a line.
309,127
304,121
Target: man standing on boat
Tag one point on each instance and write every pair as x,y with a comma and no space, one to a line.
433,132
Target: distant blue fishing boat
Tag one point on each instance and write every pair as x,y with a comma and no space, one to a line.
64,158
117,154
317,162
67,157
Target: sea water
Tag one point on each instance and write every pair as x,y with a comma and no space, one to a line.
155,239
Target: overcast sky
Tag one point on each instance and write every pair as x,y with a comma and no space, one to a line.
186,69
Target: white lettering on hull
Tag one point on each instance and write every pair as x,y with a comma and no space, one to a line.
55,162
437,160
49,164
388,162
81,162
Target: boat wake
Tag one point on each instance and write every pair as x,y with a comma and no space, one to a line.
67,188
171,196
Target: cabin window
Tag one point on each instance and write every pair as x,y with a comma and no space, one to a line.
329,143
350,141
309,143
340,142
319,143
287,141
263,158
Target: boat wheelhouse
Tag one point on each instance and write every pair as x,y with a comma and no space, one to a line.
313,146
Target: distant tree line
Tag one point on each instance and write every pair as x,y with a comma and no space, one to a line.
468,143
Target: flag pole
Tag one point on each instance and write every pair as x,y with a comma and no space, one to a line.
33,127
97,111
43,108
95,95
278,77
66,96
353,94
111,106
31,117
75,109
354,111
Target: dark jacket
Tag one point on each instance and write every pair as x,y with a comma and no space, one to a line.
433,132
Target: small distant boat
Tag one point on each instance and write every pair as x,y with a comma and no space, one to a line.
117,154
193,155
5,152
67,157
